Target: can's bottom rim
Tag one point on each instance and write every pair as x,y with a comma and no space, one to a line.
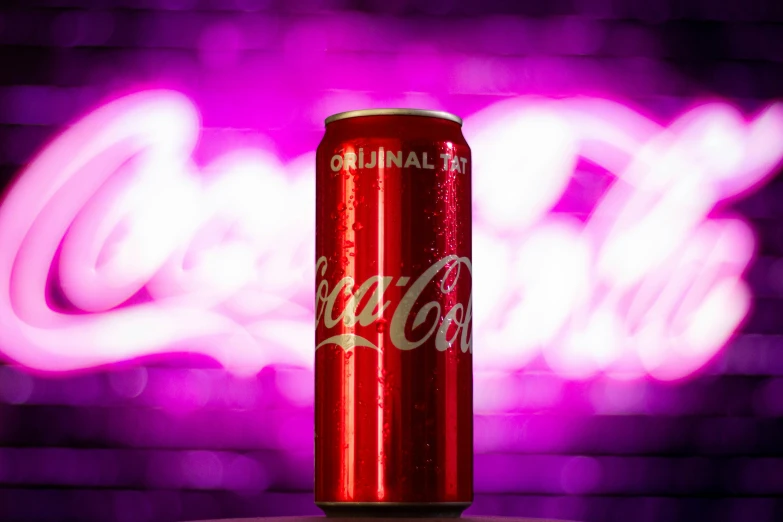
393,509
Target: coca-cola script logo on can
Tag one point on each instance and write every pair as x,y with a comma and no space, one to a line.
447,326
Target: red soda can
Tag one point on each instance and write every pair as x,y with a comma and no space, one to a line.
393,354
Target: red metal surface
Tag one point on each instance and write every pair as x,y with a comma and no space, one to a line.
393,374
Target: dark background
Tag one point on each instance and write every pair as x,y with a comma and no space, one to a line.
174,438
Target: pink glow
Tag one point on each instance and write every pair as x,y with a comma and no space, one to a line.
647,285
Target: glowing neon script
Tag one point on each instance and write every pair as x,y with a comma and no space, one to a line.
649,284
152,255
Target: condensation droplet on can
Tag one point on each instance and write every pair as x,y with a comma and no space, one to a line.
380,325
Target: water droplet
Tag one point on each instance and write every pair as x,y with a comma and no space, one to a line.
345,261
349,244
380,325
341,207
342,227
348,355
357,226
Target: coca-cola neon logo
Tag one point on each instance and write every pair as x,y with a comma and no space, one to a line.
114,244
348,305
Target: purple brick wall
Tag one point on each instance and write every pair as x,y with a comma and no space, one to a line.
177,437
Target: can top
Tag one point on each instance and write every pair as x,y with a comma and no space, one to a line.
394,112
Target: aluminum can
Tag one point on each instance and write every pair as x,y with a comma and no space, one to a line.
393,347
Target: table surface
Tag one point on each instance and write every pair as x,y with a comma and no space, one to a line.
362,519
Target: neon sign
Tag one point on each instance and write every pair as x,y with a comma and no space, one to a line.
114,244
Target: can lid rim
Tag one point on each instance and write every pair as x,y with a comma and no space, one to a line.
394,112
